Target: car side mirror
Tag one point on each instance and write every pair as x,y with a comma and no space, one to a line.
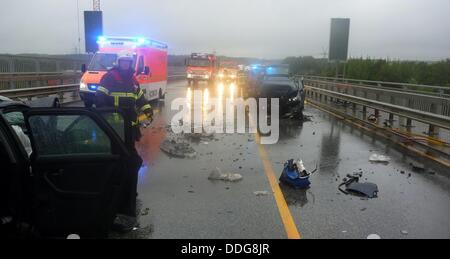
147,71
83,68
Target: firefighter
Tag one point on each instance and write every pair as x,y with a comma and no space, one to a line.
120,89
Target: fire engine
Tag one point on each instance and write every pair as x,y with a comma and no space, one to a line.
150,63
201,67
228,71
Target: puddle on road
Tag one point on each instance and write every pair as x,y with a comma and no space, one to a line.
296,197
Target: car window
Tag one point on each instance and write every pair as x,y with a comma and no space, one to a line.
68,134
15,118
140,66
116,121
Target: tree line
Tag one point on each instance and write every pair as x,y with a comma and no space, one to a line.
414,72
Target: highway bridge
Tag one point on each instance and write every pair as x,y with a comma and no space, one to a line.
349,120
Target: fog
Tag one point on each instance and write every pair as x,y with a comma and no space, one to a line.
396,29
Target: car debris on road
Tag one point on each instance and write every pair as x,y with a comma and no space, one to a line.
177,149
295,175
261,193
375,158
353,186
228,177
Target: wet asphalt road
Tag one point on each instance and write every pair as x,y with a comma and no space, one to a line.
183,203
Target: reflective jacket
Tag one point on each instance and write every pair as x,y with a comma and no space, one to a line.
122,92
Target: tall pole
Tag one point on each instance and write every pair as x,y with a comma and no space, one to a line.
96,5
78,25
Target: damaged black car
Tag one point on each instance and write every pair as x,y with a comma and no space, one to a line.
277,82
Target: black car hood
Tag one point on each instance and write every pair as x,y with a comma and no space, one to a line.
278,87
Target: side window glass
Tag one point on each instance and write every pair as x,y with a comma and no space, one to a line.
16,120
68,134
140,64
116,121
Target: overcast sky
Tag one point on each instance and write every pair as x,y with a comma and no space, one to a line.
405,29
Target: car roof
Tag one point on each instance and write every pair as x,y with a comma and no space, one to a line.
5,102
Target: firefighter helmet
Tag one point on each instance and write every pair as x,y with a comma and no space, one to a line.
124,56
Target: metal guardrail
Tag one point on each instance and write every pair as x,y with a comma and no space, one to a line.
438,104
416,115
40,91
59,90
22,71
417,88
433,144
25,76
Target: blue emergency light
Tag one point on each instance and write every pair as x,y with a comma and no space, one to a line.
93,87
101,39
140,40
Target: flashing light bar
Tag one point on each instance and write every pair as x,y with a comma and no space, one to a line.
138,41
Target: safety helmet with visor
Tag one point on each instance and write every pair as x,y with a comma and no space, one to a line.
125,59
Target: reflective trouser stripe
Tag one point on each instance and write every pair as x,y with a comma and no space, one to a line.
141,93
116,101
122,94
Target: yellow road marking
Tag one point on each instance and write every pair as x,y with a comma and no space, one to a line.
286,217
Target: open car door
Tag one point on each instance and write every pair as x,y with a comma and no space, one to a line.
78,164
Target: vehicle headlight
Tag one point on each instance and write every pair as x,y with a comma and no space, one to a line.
221,75
83,86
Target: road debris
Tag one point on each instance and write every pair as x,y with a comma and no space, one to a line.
417,167
375,158
261,193
178,149
354,187
228,177
373,236
404,232
145,212
73,236
295,175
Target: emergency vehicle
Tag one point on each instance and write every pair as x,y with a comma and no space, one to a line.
201,67
150,64
228,71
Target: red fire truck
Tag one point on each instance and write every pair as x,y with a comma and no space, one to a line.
201,67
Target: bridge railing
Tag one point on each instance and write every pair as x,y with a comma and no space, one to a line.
23,71
66,90
435,100
416,119
443,91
